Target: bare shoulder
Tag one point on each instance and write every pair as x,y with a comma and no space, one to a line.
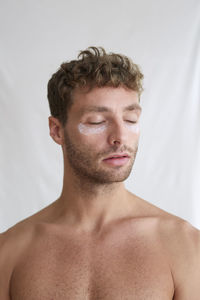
181,244
174,229
180,241
16,238
13,244
2,248
28,225
180,237
20,236
4,269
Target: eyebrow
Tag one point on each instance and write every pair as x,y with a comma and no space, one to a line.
92,108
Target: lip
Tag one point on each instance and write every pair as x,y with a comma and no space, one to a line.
116,160
117,155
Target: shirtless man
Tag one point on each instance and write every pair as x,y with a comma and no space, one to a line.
98,240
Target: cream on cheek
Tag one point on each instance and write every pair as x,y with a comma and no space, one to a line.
88,130
134,127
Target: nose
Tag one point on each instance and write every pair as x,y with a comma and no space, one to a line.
117,134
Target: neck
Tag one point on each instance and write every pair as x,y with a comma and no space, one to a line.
90,206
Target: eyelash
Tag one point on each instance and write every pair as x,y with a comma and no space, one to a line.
104,121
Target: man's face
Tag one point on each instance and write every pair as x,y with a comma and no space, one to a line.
101,123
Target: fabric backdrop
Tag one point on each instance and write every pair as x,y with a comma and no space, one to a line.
162,36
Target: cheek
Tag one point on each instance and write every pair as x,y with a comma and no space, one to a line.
87,130
134,128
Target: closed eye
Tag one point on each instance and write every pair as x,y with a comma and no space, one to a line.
93,123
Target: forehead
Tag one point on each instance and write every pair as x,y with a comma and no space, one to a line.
105,99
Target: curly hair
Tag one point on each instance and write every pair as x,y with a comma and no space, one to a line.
93,68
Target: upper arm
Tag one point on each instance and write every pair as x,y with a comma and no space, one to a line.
186,262
2,255
1,249
4,267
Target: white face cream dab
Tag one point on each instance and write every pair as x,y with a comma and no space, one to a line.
135,128
88,130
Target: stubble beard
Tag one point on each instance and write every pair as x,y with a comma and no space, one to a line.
89,169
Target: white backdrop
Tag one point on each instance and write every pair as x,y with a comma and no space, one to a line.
162,36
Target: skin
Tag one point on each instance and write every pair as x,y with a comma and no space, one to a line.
98,240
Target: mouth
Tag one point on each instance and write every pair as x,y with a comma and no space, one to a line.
117,160
115,156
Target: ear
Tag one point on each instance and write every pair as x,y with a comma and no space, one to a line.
56,130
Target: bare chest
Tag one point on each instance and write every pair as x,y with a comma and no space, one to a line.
119,267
